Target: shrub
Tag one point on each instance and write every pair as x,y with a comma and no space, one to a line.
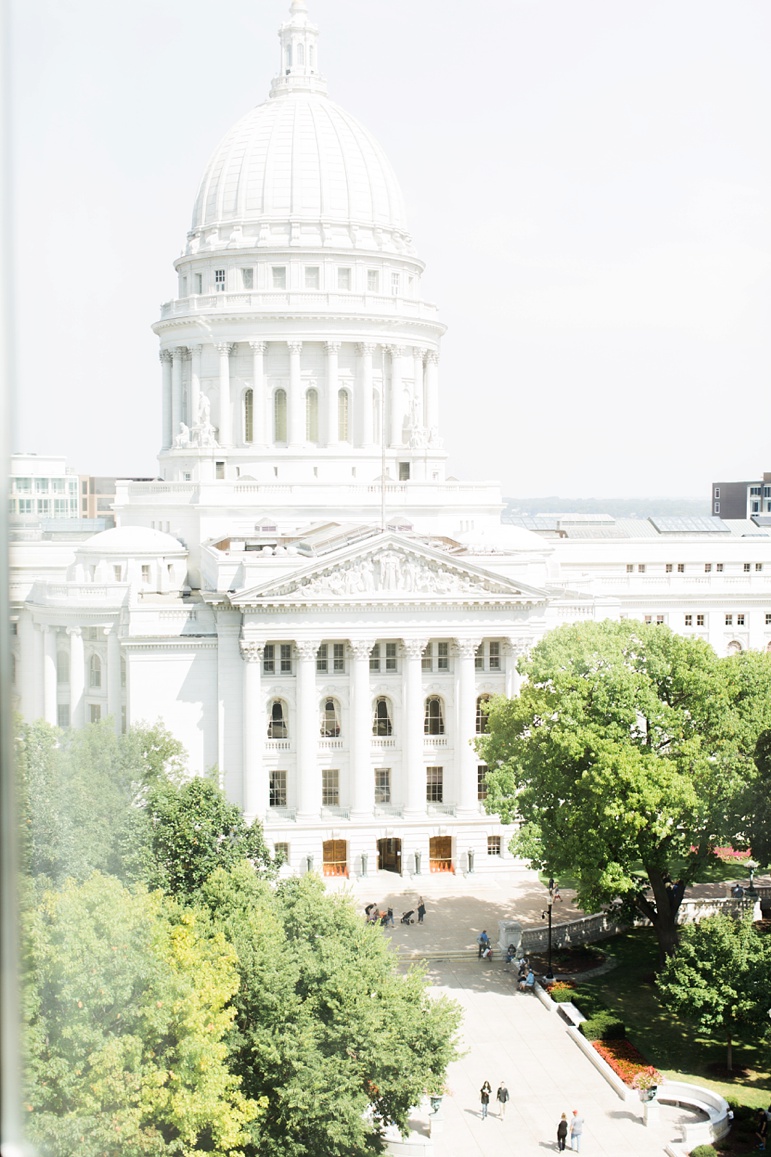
603,1026
704,1151
561,992
590,1004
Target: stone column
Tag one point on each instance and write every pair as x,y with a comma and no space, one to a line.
466,757
366,431
362,775
333,385
306,733
195,385
414,768
30,677
512,649
295,401
166,435
224,434
254,787
49,675
113,677
418,415
77,678
432,390
177,356
397,402
259,420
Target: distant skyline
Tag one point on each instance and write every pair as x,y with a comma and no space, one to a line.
588,183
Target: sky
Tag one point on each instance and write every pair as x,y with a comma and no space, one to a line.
588,182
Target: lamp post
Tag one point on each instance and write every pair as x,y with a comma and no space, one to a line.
548,912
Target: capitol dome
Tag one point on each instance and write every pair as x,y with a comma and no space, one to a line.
298,169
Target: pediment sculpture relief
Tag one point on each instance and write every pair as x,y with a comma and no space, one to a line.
392,572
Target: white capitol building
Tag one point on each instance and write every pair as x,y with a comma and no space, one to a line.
303,596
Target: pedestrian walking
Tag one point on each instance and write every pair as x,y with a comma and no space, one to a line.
483,941
484,1096
502,1097
562,1133
421,909
576,1129
390,917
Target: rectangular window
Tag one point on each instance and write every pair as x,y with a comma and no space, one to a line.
767,491
25,506
404,471
247,278
330,787
60,507
373,281
479,658
57,485
758,566
344,279
41,485
94,713
199,283
648,618
312,277
719,568
435,785
659,620
278,276
286,658
707,567
481,784
24,485
269,660
443,656
717,508
629,568
219,280
116,574
700,620
747,568
689,620
322,659
281,852
390,663
768,619
668,568
740,620
493,845
146,573
396,284
729,620
426,659
219,470
63,715
755,491
374,658
44,506
495,655
277,790
681,568
382,785
338,656
717,492
641,568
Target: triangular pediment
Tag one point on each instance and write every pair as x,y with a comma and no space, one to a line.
389,569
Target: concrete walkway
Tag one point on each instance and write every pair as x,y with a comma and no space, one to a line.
507,1035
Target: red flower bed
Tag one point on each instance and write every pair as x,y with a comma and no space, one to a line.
727,853
625,1060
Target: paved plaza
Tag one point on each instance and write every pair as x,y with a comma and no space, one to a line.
507,1035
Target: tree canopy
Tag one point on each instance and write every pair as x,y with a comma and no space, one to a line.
720,977
625,757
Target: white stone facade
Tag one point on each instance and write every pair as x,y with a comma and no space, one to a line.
303,597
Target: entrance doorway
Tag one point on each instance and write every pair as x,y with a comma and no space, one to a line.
389,856
440,853
335,858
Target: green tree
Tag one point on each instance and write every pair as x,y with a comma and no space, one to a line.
128,1016
186,831
720,978
329,1033
625,756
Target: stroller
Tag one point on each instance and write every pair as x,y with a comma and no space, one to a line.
407,917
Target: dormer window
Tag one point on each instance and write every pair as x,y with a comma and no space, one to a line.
373,281
278,273
219,280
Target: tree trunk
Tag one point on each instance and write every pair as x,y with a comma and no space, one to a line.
663,912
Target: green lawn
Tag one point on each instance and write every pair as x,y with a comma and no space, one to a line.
673,1046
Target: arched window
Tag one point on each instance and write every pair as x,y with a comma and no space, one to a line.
279,416
300,55
483,703
312,416
95,671
342,416
434,721
330,719
62,668
277,727
248,415
381,723
734,647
